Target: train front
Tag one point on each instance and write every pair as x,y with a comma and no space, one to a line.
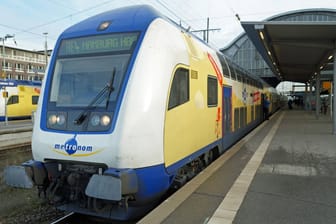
80,161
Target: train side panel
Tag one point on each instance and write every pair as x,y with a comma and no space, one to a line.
24,102
142,115
22,98
193,123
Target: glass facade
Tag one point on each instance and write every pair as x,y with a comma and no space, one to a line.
243,52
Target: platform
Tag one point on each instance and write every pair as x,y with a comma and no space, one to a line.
282,172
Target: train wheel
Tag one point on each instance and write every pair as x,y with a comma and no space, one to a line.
208,157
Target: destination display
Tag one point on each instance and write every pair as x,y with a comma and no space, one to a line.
98,44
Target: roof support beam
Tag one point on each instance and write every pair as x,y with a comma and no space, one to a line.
304,43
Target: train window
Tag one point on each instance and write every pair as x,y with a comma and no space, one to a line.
239,78
244,80
254,83
14,99
77,81
242,116
225,68
212,91
236,119
252,113
179,92
233,73
34,100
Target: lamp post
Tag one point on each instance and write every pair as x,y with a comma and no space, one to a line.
5,94
46,49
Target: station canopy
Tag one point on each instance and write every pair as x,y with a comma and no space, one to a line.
295,51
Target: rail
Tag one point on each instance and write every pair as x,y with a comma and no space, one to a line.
65,219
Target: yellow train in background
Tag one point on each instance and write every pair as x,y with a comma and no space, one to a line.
20,98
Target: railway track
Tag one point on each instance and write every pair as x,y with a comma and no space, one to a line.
15,139
68,218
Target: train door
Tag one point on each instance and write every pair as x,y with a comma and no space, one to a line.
227,111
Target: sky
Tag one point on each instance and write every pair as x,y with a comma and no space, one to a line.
28,20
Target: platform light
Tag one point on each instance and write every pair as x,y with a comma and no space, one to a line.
269,53
321,67
261,35
330,57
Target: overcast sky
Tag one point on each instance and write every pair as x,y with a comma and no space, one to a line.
29,19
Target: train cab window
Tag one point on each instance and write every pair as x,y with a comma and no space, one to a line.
179,92
14,99
34,100
212,92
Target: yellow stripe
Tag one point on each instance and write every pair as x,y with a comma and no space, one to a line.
78,155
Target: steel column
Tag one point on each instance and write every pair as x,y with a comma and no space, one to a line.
333,89
317,95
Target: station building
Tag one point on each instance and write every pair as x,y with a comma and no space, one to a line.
20,64
243,52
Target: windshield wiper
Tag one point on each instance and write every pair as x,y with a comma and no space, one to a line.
97,100
110,88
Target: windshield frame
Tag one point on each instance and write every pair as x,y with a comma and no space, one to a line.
60,56
113,107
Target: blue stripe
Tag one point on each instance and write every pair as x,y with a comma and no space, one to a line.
13,83
152,181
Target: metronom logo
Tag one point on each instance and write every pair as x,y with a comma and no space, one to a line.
71,146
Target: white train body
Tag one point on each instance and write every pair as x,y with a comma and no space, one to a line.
137,139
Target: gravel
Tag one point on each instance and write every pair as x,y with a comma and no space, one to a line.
22,205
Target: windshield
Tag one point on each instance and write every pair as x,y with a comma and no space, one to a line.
77,81
85,66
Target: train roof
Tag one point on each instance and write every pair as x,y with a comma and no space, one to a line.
121,20
13,83
125,19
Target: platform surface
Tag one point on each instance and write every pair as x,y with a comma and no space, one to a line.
294,158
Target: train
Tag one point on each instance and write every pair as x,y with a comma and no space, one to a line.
18,99
134,105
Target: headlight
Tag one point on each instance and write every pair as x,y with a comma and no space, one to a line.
105,120
99,121
60,119
95,120
56,120
52,119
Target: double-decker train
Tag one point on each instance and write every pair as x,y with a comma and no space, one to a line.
131,106
18,99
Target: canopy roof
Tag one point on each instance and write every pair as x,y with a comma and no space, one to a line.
295,51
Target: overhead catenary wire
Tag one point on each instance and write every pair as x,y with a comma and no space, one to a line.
181,12
68,16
